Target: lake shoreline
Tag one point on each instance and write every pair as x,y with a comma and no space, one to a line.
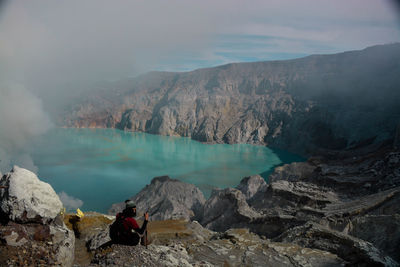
73,160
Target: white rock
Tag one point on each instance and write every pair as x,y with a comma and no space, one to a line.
26,198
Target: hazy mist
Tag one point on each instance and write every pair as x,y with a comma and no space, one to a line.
52,51
21,118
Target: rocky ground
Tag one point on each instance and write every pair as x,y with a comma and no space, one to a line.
341,208
184,243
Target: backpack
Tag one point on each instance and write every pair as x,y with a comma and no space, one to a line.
117,229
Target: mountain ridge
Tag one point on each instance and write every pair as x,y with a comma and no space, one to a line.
302,105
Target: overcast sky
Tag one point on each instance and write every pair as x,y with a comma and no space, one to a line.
52,50
90,40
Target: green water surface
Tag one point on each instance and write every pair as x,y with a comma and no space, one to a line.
105,166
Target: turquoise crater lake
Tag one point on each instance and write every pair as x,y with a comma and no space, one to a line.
105,166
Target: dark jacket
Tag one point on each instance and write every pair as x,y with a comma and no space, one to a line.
132,231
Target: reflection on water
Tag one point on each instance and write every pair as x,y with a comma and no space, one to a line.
104,166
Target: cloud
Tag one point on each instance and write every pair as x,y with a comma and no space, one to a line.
58,49
275,29
69,202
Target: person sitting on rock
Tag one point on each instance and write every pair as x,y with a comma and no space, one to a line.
125,230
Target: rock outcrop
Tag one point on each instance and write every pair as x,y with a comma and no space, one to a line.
27,199
355,251
32,231
165,198
227,208
249,186
321,101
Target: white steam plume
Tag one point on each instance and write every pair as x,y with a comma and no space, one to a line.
21,118
69,202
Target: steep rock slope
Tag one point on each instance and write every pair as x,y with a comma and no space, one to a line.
321,101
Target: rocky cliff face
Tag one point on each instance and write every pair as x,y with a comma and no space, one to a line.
322,101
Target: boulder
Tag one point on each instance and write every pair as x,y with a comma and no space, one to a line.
296,171
165,198
63,241
250,185
27,199
98,239
227,208
32,228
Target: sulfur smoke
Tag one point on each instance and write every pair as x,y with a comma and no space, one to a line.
21,118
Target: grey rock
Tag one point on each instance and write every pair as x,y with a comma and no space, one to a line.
239,247
167,198
250,185
289,197
226,209
27,199
296,171
284,205
202,247
383,231
63,241
382,203
355,251
98,239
